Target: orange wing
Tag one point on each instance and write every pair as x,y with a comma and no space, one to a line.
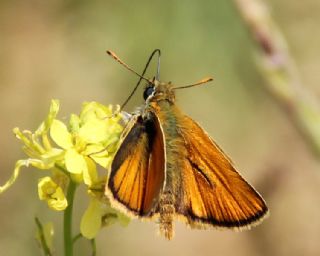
138,169
213,191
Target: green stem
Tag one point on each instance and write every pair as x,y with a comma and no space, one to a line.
93,246
76,238
67,220
92,242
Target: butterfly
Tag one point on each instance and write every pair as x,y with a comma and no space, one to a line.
167,167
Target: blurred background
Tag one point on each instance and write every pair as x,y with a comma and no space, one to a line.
56,49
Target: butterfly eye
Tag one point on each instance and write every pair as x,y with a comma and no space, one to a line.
147,92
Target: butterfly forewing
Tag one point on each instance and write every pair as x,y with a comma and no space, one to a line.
138,170
214,192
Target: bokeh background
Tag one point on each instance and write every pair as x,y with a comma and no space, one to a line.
56,49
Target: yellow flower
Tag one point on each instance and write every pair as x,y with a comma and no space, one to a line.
91,137
71,152
91,219
37,146
49,191
98,214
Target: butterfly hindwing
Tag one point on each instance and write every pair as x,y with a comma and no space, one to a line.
138,170
214,192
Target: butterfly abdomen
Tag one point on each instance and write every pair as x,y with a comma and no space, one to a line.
167,211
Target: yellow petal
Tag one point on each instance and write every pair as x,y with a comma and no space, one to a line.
99,124
114,128
49,191
52,156
26,162
14,176
99,154
43,165
94,110
74,123
94,131
21,136
91,220
75,162
44,126
112,143
112,216
46,187
90,175
102,161
58,201
60,134
95,149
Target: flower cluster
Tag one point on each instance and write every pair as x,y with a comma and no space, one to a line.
71,153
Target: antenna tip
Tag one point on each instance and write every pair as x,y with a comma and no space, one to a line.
206,80
111,54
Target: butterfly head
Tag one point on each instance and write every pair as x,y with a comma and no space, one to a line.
155,91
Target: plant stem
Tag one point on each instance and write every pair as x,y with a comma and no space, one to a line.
280,71
76,238
93,246
67,220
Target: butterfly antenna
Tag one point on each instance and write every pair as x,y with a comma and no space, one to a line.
158,66
203,81
141,77
113,55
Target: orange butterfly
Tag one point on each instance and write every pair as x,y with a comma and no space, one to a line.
167,167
